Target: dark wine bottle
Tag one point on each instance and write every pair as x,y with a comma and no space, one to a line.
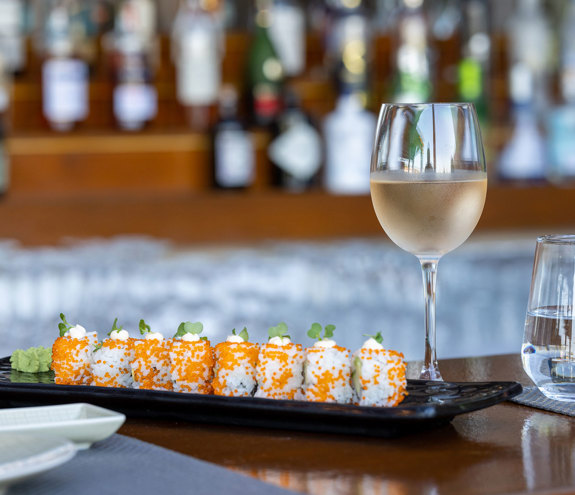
296,150
234,160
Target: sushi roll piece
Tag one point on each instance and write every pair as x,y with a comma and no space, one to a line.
151,364
72,354
235,368
191,360
280,366
327,369
378,375
111,366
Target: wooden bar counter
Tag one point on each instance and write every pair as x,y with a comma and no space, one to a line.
507,448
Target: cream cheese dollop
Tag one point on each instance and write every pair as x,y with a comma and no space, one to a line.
371,343
76,332
190,337
281,341
326,344
234,339
119,335
154,336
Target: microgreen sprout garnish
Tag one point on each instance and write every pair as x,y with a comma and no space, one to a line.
281,331
189,327
97,347
315,331
144,328
377,337
115,328
243,334
64,326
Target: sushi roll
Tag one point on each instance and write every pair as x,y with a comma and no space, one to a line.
112,360
72,354
151,364
327,369
280,366
235,368
191,360
378,375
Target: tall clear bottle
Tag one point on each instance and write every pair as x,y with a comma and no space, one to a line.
265,73
65,75
197,42
12,35
135,97
525,155
412,55
561,120
288,33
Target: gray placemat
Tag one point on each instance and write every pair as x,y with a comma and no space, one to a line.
123,465
531,396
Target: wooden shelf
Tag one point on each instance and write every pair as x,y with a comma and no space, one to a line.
247,217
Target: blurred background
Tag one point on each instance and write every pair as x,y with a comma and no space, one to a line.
208,160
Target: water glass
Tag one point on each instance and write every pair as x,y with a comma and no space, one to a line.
548,351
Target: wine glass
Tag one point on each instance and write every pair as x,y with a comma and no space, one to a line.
428,187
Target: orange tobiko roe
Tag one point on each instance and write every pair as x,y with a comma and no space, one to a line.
68,366
198,369
326,379
229,356
274,385
145,352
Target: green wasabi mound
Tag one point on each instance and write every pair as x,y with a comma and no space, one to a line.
33,360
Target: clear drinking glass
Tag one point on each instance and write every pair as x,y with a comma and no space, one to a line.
428,188
548,352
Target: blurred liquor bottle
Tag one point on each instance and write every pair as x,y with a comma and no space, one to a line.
64,73
135,97
561,121
296,150
524,156
265,73
5,90
288,34
234,158
197,50
348,132
473,67
412,55
12,35
445,20
348,47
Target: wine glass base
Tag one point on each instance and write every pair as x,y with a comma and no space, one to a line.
431,374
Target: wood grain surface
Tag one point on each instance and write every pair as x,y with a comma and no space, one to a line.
507,448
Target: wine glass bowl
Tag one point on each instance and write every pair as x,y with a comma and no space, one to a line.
428,187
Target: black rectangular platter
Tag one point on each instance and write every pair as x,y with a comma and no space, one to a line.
428,404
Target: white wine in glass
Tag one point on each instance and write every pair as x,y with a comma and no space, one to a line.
428,188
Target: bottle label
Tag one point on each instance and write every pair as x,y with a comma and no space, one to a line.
349,140
235,162
199,68
267,102
297,151
65,90
287,33
135,104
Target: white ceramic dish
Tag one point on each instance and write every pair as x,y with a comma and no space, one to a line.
23,456
82,424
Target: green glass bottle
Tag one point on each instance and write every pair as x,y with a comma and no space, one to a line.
265,75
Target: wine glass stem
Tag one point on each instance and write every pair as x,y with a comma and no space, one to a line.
430,370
